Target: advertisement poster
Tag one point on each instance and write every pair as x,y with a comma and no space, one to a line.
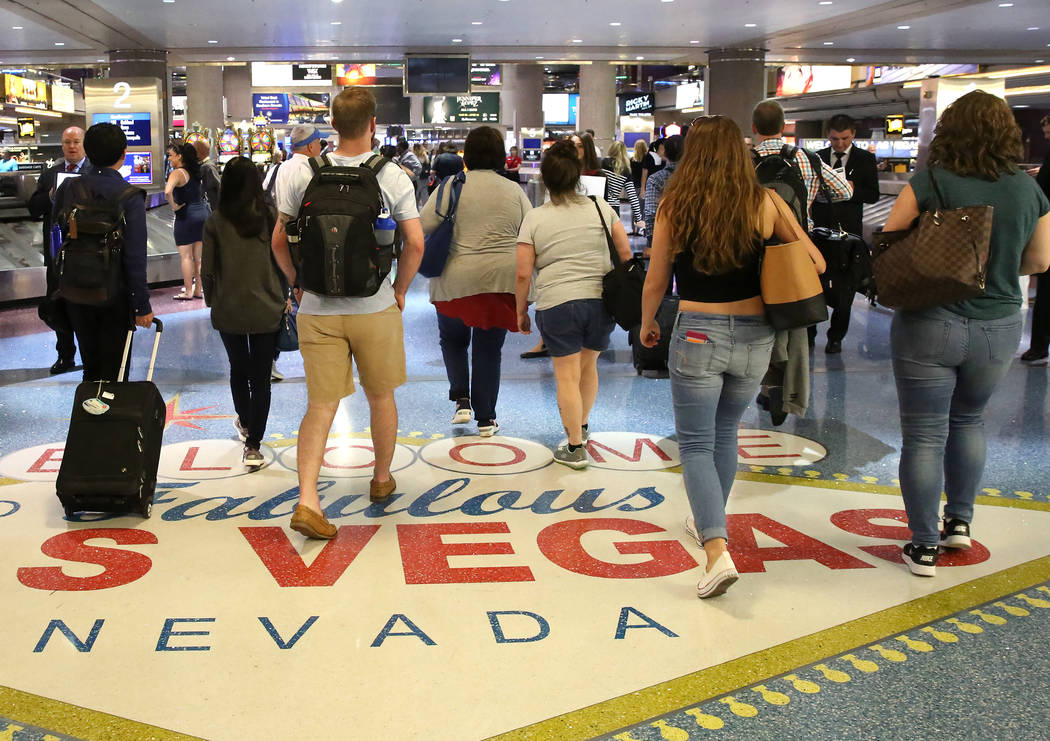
559,109
689,95
485,74
880,75
796,79
135,126
355,74
137,168
477,108
271,106
24,92
632,104
312,72
62,98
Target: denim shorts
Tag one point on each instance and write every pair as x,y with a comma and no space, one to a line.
568,328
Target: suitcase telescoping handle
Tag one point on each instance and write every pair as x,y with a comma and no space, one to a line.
153,356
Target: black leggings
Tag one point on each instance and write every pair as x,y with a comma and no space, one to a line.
251,356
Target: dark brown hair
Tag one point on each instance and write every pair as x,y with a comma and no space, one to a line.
590,154
842,122
711,203
978,137
353,111
560,170
484,150
768,118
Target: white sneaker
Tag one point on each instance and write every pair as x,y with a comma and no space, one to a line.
690,528
275,375
242,431
716,581
488,430
463,413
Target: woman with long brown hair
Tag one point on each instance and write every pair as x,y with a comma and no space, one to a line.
713,220
948,360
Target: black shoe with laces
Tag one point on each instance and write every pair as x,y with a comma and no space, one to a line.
922,560
956,534
1034,356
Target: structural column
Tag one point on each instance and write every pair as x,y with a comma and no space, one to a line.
204,96
735,83
521,99
130,63
598,102
237,88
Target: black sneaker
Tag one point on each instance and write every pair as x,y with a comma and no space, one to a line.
956,534
922,560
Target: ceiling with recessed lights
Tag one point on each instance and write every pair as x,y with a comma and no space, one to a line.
82,31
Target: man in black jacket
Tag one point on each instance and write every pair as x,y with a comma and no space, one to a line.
1039,345
102,330
860,170
53,310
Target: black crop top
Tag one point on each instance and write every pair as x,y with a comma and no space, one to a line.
736,285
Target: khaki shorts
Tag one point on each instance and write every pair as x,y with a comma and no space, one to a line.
374,341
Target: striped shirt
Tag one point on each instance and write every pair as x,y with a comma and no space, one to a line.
615,186
838,186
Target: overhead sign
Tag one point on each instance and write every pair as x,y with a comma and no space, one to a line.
355,74
62,98
796,79
271,106
312,72
22,91
689,95
476,108
630,104
485,74
136,126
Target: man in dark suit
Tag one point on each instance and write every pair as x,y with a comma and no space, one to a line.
53,310
102,330
860,170
1039,345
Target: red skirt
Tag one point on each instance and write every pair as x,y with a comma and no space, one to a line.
483,310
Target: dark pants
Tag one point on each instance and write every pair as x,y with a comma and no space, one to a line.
486,346
101,332
54,312
250,358
838,294
1041,313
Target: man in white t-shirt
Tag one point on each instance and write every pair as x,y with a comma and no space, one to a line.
334,330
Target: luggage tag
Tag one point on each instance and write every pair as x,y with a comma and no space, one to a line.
95,405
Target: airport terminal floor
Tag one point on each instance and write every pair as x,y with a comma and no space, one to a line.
500,595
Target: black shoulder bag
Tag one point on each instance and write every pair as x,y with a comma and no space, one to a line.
622,286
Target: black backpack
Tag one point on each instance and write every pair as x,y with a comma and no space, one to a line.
334,234
90,260
779,172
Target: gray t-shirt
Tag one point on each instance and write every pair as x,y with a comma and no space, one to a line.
572,253
400,197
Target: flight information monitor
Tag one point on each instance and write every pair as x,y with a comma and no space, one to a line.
444,75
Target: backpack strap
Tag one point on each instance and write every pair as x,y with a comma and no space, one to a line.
376,162
320,162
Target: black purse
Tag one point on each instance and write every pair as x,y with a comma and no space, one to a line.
622,286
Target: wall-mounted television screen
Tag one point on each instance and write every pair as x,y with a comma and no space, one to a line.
437,75
392,107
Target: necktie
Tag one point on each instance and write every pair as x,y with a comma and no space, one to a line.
838,160
71,167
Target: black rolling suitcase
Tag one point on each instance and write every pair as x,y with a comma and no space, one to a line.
651,362
113,445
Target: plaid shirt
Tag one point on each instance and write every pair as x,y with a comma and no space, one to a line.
838,186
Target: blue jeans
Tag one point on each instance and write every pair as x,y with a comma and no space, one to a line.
716,362
946,367
486,354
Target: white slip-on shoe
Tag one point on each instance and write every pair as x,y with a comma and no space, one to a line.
690,529
716,581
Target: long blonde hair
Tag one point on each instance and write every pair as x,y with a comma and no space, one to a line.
618,154
640,150
711,203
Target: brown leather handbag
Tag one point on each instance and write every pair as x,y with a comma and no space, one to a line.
940,259
790,282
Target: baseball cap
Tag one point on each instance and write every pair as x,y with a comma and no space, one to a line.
303,134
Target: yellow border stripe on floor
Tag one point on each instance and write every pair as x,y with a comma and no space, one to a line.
697,687
71,720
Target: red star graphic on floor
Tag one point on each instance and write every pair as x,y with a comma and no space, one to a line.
175,416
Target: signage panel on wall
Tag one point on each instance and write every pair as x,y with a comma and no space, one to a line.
26,127
25,92
312,72
689,95
879,75
136,126
271,106
559,109
482,73
631,104
137,168
476,108
795,79
62,98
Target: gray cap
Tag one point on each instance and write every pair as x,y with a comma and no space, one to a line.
303,134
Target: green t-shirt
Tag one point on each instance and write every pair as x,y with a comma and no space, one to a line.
1018,203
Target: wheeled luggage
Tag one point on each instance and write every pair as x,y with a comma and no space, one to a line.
113,445
652,361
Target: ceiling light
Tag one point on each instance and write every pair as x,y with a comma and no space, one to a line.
639,58
231,59
824,2
829,43
337,23
1039,61
212,41
475,23
695,41
667,1
1006,5
577,41
536,57
337,1
615,23
60,43
750,25
457,41
1032,28
851,59
16,28
168,2
903,28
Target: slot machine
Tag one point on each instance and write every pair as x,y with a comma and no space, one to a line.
261,144
229,144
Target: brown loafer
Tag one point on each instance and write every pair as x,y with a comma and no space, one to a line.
311,524
378,491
